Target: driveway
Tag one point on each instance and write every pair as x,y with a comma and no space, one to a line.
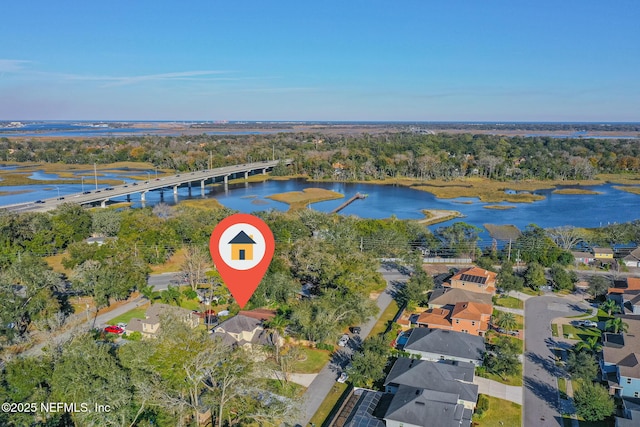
541,400
499,390
324,381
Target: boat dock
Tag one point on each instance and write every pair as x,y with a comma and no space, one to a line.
348,202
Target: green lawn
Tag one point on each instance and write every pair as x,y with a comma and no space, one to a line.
491,336
190,304
328,403
602,316
387,316
562,387
509,302
501,413
554,329
579,332
136,313
530,291
313,360
518,318
288,389
514,380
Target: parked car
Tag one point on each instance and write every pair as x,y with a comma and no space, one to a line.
343,377
588,324
355,329
114,329
343,340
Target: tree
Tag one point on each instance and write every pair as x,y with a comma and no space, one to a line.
507,280
502,358
616,325
415,289
106,222
566,236
598,286
368,364
534,276
590,344
582,365
505,320
610,306
196,262
562,279
593,402
461,238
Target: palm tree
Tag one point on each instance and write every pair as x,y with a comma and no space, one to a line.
610,306
276,327
505,320
591,345
616,325
148,292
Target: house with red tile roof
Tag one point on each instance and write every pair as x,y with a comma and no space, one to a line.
468,317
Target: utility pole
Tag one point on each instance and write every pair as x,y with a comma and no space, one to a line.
509,256
95,174
273,156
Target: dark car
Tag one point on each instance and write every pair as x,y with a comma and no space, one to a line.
86,192
60,198
39,201
355,329
135,183
108,188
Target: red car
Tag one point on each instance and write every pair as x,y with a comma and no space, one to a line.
114,329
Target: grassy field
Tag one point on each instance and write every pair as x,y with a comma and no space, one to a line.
300,199
514,380
313,360
501,413
579,332
509,302
136,313
387,316
634,190
55,262
172,265
435,216
575,191
499,207
328,403
554,330
562,387
201,204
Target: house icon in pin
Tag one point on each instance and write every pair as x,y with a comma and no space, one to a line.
241,247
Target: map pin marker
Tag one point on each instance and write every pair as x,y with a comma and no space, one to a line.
241,247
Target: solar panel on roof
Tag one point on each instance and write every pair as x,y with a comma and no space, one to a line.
473,279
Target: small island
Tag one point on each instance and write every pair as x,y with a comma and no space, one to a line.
300,199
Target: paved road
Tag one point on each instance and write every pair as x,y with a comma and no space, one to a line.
160,282
324,381
541,402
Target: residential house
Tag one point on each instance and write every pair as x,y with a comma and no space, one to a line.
417,407
620,362
150,325
603,254
631,413
242,247
468,317
583,257
439,344
474,279
633,259
628,285
450,296
447,376
246,329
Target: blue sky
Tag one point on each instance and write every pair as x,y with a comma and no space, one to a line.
409,60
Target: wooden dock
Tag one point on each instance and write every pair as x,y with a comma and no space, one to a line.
348,202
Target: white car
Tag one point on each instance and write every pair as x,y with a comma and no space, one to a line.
343,340
343,377
589,324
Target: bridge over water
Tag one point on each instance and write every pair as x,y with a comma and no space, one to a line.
141,188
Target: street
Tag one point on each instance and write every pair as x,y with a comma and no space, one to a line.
541,403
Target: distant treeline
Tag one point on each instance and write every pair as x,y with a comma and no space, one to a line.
353,157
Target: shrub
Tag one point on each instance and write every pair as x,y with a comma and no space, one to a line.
483,406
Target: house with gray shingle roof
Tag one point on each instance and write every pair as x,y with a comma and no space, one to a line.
446,376
439,344
417,407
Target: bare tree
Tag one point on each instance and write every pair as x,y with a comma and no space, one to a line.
196,262
565,236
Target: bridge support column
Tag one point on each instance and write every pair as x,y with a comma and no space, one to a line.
264,171
246,175
128,197
103,204
202,185
226,180
175,189
142,196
